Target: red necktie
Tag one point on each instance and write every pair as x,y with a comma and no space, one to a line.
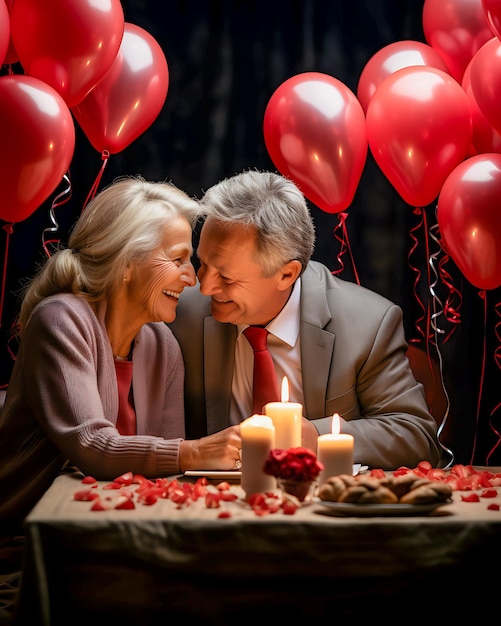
264,385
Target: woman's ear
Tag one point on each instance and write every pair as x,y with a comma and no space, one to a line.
289,273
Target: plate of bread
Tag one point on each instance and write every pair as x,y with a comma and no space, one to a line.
407,494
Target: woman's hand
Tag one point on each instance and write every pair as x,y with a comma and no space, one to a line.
220,451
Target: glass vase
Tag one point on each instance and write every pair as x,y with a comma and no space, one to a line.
303,490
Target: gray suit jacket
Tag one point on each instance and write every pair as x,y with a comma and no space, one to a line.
353,363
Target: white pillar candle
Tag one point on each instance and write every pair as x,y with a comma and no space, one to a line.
258,438
287,419
335,451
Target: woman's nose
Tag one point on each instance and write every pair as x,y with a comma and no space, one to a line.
189,275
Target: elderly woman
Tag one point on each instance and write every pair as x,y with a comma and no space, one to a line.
98,379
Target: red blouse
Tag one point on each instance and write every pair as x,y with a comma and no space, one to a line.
126,422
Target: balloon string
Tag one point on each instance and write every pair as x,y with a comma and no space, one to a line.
446,413
9,229
57,202
497,358
453,303
429,336
483,295
345,245
436,302
435,311
414,239
105,155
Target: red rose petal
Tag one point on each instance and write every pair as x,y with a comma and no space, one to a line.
489,493
99,505
125,479
85,495
471,498
212,500
126,503
228,496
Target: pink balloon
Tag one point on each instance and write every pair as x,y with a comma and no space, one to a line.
456,29
69,44
314,131
485,81
485,137
38,140
469,219
492,10
419,129
131,95
4,30
391,58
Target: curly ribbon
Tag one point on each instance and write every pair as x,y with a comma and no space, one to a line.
436,303
345,245
57,202
497,359
105,155
445,417
483,295
427,324
454,300
420,320
9,229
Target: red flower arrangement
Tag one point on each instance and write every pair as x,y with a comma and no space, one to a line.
298,464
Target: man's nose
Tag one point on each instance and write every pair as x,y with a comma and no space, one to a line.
208,281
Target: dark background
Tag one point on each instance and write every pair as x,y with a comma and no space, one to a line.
225,59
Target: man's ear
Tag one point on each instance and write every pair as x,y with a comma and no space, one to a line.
289,273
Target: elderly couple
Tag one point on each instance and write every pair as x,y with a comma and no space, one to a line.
127,362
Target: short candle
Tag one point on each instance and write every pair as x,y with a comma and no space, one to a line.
287,419
335,451
258,438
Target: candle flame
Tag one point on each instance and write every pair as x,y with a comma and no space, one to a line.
285,389
336,424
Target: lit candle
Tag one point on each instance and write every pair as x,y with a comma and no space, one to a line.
258,438
287,419
335,451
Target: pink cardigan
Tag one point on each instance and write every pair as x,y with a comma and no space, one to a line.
62,404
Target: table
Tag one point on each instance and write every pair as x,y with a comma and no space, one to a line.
159,563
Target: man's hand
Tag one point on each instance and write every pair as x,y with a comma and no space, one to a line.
309,435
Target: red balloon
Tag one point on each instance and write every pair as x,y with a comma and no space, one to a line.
131,95
38,141
391,58
485,81
4,30
314,131
492,10
419,128
11,55
485,137
69,44
456,29
469,219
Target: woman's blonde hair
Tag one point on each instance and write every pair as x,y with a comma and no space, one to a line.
126,221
